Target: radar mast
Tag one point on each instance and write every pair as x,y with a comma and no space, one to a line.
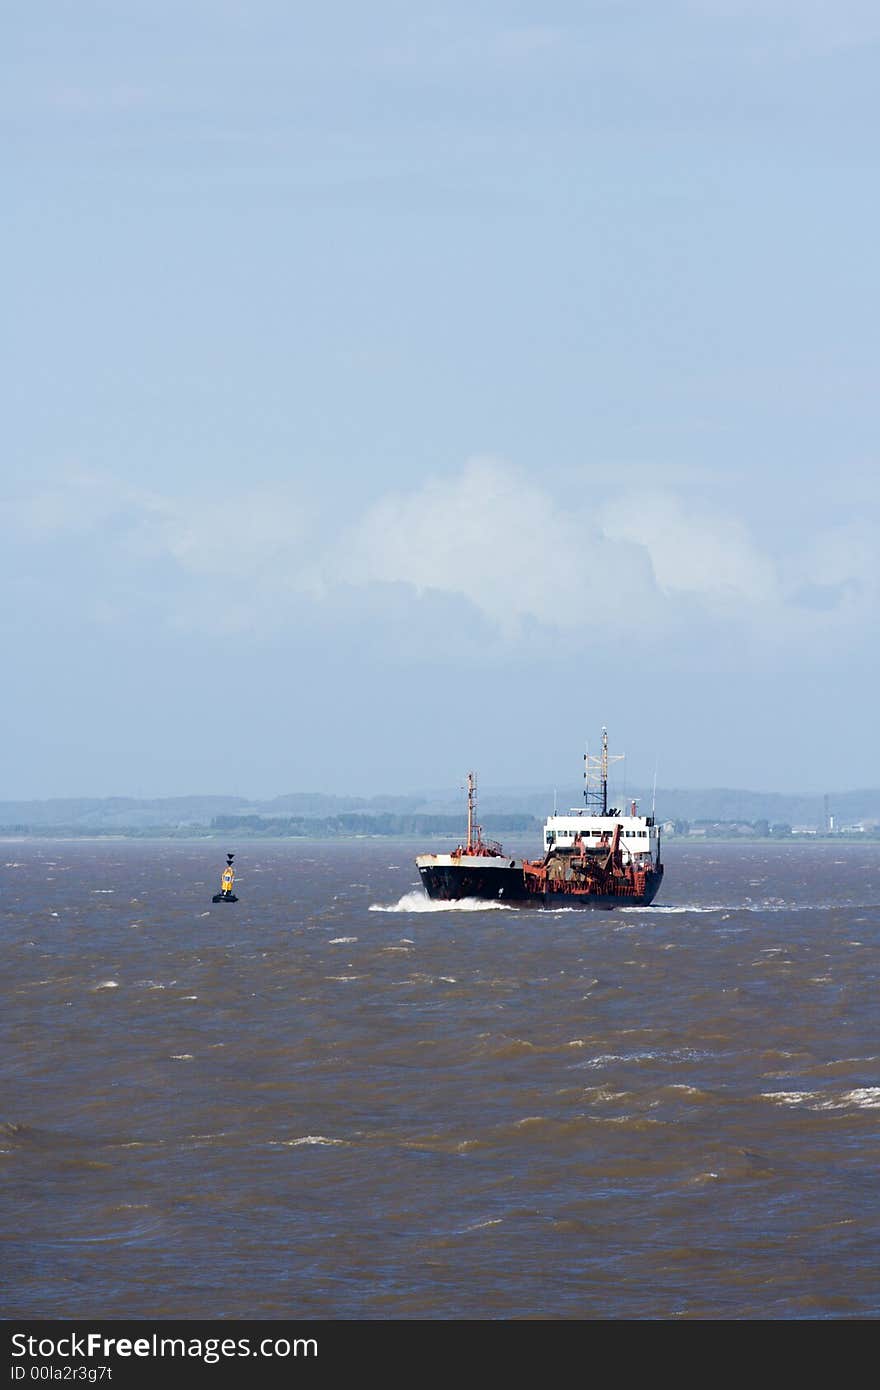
596,772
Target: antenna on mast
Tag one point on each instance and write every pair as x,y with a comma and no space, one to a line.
597,801
654,793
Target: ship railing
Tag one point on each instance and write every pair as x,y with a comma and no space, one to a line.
489,848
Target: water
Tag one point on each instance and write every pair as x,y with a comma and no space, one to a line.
333,1100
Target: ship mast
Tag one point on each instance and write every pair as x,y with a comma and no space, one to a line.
597,801
472,806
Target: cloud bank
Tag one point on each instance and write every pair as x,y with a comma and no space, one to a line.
572,555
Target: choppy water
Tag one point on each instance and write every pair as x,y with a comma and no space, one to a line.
330,1100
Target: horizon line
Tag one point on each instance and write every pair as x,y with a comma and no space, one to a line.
532,789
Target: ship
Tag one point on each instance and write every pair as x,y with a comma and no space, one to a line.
594,857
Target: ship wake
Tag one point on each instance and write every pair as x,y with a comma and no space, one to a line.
417,901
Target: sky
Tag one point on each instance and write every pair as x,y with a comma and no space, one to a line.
393,390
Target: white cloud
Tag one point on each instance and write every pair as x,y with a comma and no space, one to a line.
692,550
848,558
810,27
216,532
517,550
535,558
564,553
77,503
256,533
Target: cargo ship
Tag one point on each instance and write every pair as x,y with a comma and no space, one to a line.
594,857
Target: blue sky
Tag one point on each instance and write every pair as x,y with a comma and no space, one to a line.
394,389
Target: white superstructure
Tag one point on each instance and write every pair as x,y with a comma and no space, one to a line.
593,825
639,836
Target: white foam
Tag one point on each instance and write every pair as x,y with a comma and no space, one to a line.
790,1097
863,1097
866,1096
774,905
417,901
310,1139
673,909
605,1058
341,940
108,984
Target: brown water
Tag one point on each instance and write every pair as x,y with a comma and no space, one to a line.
335,1100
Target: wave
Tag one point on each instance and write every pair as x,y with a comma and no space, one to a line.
775,905
320,1139
417,901
479,1225
685,907
860,1098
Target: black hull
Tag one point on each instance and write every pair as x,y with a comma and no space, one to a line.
224,898
452,882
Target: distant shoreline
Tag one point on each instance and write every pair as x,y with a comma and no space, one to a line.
193,835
